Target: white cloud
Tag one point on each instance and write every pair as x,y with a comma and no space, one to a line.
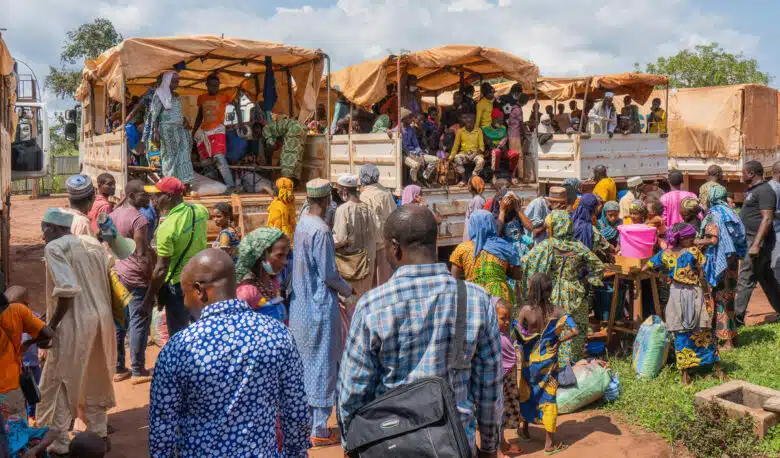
563,37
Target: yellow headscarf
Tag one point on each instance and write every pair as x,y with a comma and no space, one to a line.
282,211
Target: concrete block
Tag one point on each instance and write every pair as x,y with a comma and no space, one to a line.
741,398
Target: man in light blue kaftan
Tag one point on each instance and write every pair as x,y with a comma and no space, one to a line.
315,318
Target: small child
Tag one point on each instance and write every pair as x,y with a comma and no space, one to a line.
688,316
106,188
654,211
30,362
228,238
511,418
543,327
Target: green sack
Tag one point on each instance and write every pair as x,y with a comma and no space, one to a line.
651,348
592,382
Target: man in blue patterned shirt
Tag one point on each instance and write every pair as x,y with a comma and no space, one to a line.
220,385
403,330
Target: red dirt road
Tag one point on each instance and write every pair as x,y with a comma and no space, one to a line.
590,433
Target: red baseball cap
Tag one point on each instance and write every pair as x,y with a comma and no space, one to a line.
170,185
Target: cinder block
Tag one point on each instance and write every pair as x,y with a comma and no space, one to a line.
741,398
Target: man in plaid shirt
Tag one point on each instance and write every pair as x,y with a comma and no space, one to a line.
403,330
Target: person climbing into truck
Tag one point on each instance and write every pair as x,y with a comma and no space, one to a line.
209,129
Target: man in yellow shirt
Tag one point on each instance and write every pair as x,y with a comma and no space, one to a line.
656,120
485,105
469,147
605,186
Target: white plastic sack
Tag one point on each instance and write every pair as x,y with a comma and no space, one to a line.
203,186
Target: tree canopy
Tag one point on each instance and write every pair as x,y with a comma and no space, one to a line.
87,41
707,65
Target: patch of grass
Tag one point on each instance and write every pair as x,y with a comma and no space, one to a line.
663,405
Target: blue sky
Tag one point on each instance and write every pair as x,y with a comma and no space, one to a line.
563,37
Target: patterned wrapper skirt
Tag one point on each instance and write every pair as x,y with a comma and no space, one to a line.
512,415
695,348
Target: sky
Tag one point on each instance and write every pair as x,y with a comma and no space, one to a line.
562,38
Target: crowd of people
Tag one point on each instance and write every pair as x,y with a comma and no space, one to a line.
160,136
489,138
273,329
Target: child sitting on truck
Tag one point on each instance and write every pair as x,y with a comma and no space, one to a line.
469,147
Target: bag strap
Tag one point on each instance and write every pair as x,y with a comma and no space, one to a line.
456,357
189,244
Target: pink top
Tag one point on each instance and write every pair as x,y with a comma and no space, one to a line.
250,293
508,357
101,205
134,271
671,202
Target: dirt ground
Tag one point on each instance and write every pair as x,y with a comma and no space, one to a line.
590,433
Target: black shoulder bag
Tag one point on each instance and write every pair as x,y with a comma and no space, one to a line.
420,419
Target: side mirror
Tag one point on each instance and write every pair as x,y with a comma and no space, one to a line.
71,131
231,117
70,115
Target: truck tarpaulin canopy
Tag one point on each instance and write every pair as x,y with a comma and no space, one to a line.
711,122
639,86
239,63
436,69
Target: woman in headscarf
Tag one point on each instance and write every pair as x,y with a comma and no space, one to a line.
586,232
722,236
412,194
476,187
689,211
170,130
609,222
262,255
688,316
486,259
565,259
638,212
511,221
282,211
573,189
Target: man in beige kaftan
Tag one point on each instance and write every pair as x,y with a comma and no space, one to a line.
380,201
80,364
354,235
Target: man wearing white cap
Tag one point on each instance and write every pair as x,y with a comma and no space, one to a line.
354,234
635,185
602,118
80,363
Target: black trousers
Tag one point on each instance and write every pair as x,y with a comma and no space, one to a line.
755,270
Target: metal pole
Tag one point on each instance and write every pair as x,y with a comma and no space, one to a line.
123,148
327,128
666,124
399,169
290,92
584,101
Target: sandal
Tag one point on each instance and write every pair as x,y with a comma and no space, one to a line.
557,448
512,450
318,442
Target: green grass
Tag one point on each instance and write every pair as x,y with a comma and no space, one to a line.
662,404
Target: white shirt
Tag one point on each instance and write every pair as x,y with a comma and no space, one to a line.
601,116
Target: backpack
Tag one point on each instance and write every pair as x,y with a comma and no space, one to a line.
419,419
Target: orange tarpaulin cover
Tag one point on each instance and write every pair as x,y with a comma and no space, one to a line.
436,69
638,85
711,122
239,62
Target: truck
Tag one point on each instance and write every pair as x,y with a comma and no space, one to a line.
24,141
132,67
725,126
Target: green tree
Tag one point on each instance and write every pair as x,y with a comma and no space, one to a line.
87,41
707,65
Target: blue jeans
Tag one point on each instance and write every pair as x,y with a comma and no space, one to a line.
176,315
36,371
319,421
224,169
138,325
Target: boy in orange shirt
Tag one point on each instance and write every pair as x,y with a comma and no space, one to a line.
209,129
16,319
